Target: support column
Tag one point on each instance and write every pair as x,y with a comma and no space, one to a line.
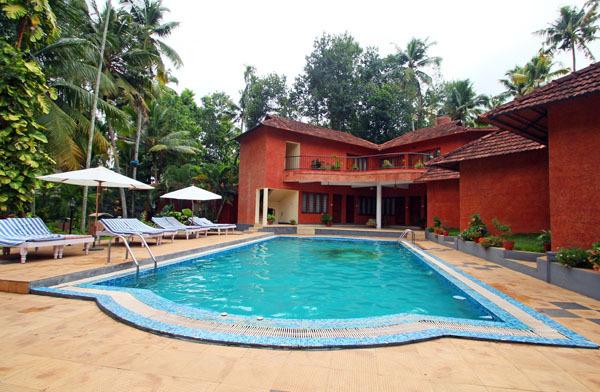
257,207
378,207
265,209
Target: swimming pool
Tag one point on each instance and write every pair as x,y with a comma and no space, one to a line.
314,292
299,278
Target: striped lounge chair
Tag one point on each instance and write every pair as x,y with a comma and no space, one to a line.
27,233
131,228
171,223
203,222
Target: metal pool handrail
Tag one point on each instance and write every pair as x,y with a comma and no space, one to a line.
405,233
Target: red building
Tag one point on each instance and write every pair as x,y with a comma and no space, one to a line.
297,172
564,116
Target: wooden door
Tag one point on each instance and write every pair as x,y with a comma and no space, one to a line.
336,211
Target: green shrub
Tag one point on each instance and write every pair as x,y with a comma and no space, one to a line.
430,229
187,212
573,257
476,229
293,222
594,254
545,237
490,241
504,230
326,218
437,222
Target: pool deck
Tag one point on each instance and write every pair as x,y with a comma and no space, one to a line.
58,344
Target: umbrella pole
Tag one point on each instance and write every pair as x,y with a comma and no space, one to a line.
98,190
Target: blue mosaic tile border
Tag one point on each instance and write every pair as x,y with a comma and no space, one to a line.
149,298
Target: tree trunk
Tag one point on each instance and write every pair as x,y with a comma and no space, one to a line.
113,144
20,32
220,210
573,55
88,161
136,152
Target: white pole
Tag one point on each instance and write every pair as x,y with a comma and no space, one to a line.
257,207
378,212
88,161
265,206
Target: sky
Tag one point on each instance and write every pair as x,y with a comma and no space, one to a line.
479,40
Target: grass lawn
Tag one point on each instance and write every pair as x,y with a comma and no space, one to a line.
527,242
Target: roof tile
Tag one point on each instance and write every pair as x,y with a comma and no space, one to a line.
493,144
438,174
437,131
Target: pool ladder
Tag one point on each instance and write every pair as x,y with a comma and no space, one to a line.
129,251
404,235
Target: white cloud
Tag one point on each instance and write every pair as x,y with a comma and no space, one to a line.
479,40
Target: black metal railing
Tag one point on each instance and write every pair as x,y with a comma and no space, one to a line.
401,160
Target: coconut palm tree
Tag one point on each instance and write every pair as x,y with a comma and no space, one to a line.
522,80
416,62
462,102
574,29
147,17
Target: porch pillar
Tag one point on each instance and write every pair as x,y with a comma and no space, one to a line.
378,207
265,209
257,207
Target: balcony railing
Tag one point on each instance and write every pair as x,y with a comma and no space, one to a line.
402,160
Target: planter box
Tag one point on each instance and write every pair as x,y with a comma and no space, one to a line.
586,282
543,266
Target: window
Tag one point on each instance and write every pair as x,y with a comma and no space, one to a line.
389,206
314,203
367,206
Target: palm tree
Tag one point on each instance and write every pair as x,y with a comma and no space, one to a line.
574,29
416,61
538,71
147,16
462,102
161,141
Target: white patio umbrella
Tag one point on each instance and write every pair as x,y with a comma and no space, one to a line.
192,193
100,177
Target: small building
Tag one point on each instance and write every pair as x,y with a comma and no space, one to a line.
297,172
565,116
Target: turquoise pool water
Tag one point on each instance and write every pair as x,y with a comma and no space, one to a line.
297,278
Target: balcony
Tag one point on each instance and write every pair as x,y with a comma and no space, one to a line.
396,168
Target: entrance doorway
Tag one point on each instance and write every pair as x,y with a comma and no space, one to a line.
400,207
336,210
349,209
415,210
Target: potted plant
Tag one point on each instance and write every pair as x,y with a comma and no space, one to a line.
476,230
445,231
386,164
419,165
270,218
327,220
594,256
488,242
315,164
293,222
337,163
505,234
546,239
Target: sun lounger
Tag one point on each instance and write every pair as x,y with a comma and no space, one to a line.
130,228
203,222
27,233
171,223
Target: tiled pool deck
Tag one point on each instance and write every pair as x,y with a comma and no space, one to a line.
59,344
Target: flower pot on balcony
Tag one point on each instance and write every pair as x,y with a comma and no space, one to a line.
508,245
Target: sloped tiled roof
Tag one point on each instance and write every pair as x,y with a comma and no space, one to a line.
527,115
312,130
438,174
493,144
434,132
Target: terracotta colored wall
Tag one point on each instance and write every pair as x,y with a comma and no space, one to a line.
574,151
252,174
443,201
512,188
